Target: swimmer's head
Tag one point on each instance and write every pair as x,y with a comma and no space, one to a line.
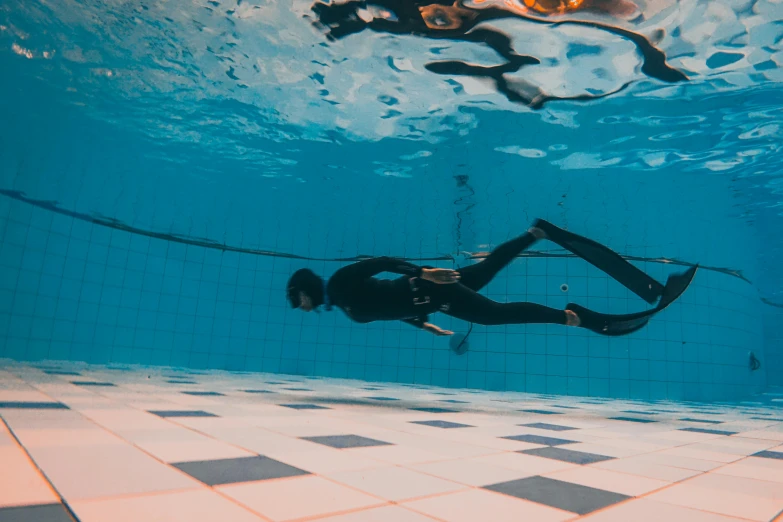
305,290
446,17
549,7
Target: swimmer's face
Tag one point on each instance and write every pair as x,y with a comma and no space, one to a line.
554,6
305,303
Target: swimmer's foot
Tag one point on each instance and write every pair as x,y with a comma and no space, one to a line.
537,232
572,319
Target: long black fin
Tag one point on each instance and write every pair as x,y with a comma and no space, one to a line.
624,324
606,260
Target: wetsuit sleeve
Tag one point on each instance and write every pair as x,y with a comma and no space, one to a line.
418,322
371,267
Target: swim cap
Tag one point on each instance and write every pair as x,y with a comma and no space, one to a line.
307,281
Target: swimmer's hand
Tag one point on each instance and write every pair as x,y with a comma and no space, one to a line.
441,276
436,329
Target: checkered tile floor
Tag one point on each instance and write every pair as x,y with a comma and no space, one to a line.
100,444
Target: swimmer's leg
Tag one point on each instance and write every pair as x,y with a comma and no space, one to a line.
477,276
467,305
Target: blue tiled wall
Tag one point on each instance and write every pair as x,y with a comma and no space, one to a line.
773,345
78,291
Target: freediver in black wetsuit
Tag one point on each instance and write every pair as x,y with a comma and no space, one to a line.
450,19
423,290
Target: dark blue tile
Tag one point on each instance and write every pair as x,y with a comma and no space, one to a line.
232,471
434,410
203,393
540,439
558,494
174,381
92,383
304,406
634,412
566,455
257,391
545,426
442,424
453,401
771,419
631,419
181,413
703,421
544,412
340,400
62,372
23,405
346,441
382,398
566,407
39,513
778,455
712,432
298,389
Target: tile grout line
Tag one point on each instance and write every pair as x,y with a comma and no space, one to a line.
385,501
652,452
135,495
43,475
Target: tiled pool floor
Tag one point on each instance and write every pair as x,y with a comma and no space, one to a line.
99,444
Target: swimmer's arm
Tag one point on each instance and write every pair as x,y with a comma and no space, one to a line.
377,265
429,327
418,322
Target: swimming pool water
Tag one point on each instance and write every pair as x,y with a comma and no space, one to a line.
164,168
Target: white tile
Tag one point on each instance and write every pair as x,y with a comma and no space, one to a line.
20,482
746,486
192,451
644,510
54,437
398,454
381,514
528,465
623,483
200,505
24,395
754,467
392,483
477,504
468,472
726,503
86,472
678,462
689,451
299,497
321,460
646,469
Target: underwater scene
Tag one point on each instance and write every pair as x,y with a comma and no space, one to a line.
391,260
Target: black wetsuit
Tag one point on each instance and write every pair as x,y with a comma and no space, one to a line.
411,299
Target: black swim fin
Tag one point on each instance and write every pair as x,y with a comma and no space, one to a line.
624,324
606,260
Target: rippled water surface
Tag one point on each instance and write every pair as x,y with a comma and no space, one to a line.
236,103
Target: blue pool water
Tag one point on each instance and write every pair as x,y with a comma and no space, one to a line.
164,167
